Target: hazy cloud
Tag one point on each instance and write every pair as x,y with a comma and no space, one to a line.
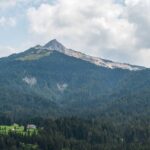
6,50
7,3
7,22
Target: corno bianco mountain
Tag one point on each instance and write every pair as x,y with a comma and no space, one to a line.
54,45
52,80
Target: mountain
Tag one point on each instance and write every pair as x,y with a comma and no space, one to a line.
52,80
54,45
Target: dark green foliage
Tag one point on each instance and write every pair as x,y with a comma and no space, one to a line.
80,134
91,91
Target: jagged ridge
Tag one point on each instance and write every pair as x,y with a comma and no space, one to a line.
54,45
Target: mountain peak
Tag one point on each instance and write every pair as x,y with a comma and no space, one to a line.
54,41
55,45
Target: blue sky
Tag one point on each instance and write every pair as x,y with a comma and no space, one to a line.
114,29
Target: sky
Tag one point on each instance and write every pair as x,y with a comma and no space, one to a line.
118,30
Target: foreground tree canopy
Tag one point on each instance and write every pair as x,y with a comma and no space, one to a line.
80,134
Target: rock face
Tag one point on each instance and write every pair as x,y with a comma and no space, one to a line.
57,46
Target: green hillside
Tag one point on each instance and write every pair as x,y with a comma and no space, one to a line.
60,85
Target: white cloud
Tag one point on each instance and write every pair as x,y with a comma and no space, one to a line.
132,2
7,21
144,57
6,50
138,13
101,28
7,3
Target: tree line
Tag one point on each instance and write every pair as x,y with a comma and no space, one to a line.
80,134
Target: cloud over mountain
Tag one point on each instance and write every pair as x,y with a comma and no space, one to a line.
113,29
106,28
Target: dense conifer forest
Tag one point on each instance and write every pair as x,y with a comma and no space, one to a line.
79,134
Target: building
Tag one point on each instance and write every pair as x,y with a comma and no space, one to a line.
31,126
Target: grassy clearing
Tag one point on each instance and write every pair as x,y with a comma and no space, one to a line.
34,56
16,129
